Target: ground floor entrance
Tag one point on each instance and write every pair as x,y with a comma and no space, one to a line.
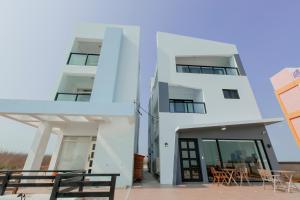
218,154
77,153
189,160
246,154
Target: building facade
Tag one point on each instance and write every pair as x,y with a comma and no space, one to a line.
91,110
203,113
286,84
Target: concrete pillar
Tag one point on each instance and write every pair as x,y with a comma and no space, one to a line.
107,70
54,157
38,148
115,150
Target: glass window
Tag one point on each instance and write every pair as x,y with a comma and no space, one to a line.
184,154
66,97
171,105
182,69
183,145
241,154
219,70
207,70
92,60
230,94
232,71
83,97
263,154
77,59
199,108
195,69
179,106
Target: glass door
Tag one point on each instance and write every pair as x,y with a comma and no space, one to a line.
189,160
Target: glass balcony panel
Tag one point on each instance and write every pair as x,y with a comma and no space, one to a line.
207,70
182,69
190,107
219,70
66,97
195,69
77,59
199,108
180,107
83,97
92,60
232,71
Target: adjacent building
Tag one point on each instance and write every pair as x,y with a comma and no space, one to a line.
286,84
203,113
93,107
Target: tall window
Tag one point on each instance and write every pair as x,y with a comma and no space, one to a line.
246,154
230,94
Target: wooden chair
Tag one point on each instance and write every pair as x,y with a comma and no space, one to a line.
242,174
276,180
218,176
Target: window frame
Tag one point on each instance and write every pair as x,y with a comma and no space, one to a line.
230,93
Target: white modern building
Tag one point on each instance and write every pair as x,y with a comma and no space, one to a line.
203,113
92,109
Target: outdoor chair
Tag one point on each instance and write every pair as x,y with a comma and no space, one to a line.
277,181
218,176
242,173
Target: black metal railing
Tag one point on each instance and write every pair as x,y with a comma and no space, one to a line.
186,106
207,70
83,59
65,96
64,183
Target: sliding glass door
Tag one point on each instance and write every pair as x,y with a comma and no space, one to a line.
248,154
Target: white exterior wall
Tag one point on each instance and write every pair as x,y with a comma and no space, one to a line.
218,108
111,113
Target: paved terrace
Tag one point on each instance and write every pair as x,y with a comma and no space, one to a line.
151,190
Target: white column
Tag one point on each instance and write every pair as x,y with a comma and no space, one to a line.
38,148
54,157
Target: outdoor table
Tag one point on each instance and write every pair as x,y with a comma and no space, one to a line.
289,176
230,173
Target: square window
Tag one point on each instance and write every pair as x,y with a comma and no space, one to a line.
230,94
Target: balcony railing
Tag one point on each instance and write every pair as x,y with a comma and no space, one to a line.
83,59
207,70
186,106
63,96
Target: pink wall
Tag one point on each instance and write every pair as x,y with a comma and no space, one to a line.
291,99
283,77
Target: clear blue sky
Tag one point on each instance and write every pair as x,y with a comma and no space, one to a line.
34,35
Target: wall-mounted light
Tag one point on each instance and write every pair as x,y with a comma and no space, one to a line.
264,132
269,146
223,128
166,144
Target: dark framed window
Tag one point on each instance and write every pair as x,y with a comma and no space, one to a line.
230,94
235,153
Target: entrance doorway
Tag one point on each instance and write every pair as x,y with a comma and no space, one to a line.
189,160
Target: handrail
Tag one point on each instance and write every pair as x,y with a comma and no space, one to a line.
68,179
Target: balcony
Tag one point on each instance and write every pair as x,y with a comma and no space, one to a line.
64,96
83,59
207,70
186,106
